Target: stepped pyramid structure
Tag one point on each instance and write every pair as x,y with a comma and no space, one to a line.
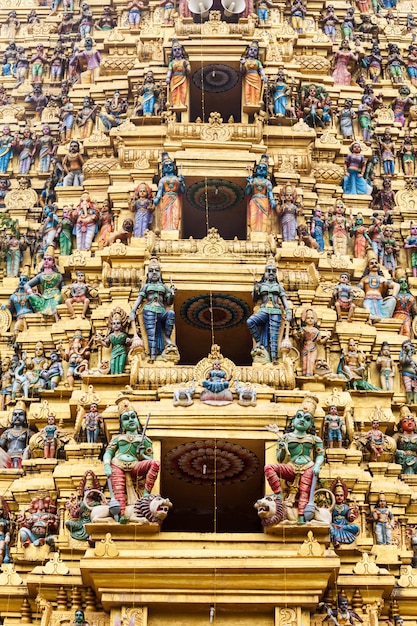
104,110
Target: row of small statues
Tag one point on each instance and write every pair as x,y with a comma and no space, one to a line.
300,455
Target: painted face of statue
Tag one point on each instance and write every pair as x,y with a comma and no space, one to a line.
339,494
19,418
271,273
129,421
261,170
154,273
302,421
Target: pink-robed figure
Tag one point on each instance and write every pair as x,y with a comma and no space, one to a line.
342,58
171,188
303,452
87,216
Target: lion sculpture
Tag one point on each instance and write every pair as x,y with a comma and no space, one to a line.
149,510
272,511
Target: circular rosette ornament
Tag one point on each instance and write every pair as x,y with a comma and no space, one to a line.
215,193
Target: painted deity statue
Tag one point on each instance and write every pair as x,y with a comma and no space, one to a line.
158,317
264,326
355,163
343,529
377,300
406,305
253,75
338,229
383,520
41,524
142,206
14,441
306,455
118,340
128,456
86,217
385,366
171,188
260,198
408,368
343,297
179,69
288,211
310,337
51,281
406,440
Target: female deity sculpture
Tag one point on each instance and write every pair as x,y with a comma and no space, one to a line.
383,520
346,117
377,300
86,217
4,531
317,227
411,244
406,440
170,189
279,92
15,245
117,339
288,211
105,225
216,385
407,154
179,69
51,281
338,229
50,435
386,367
6,149
355,164
158,317
253,75
147,96
408,368
361,238
343,529
387,149
64,232
341,60
365,111
47,148
264,325
261,199
142,206
26,147
406,305
309,336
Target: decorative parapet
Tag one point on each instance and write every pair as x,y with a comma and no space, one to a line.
215,27
215,131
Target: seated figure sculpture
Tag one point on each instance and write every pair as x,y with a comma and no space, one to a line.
265,324
343,529
406,440
216,386
306,455
130,456
379,303
158,318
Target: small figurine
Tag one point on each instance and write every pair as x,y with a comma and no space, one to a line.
107,21
117,339
390,249
86,117
38,99
18,303
51,282
353,366
124,235
86,217
261,200
9,60
13,25
329,22
376,287
407,155
142,206
280,92
401,104
47,148
26,147
22,66
41,525
146,102
375,440
158,317
169,11
406,305
77,354
298,12
387,150
73,164
310,336
49,227
58,63
334,427
105,225
5,531
353,180
346,117
384,200
263,13
386,367
318,225
92,423
406,440
64,232
312,102
134,8
341,60
50,434
179,69
80,291
264,325
130,454
349,24
412,64
114,111
66,114
408,368
216,386
15,246
383,521
395,63
365,118
53,374
343,296
170,189
342,614
6,149
338,229
343,529
15,439
86,22
38,61
306,455
411,244
79,511
362,241
253,75
287,211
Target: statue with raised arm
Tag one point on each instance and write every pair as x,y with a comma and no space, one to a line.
300,454
265,324
158,317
